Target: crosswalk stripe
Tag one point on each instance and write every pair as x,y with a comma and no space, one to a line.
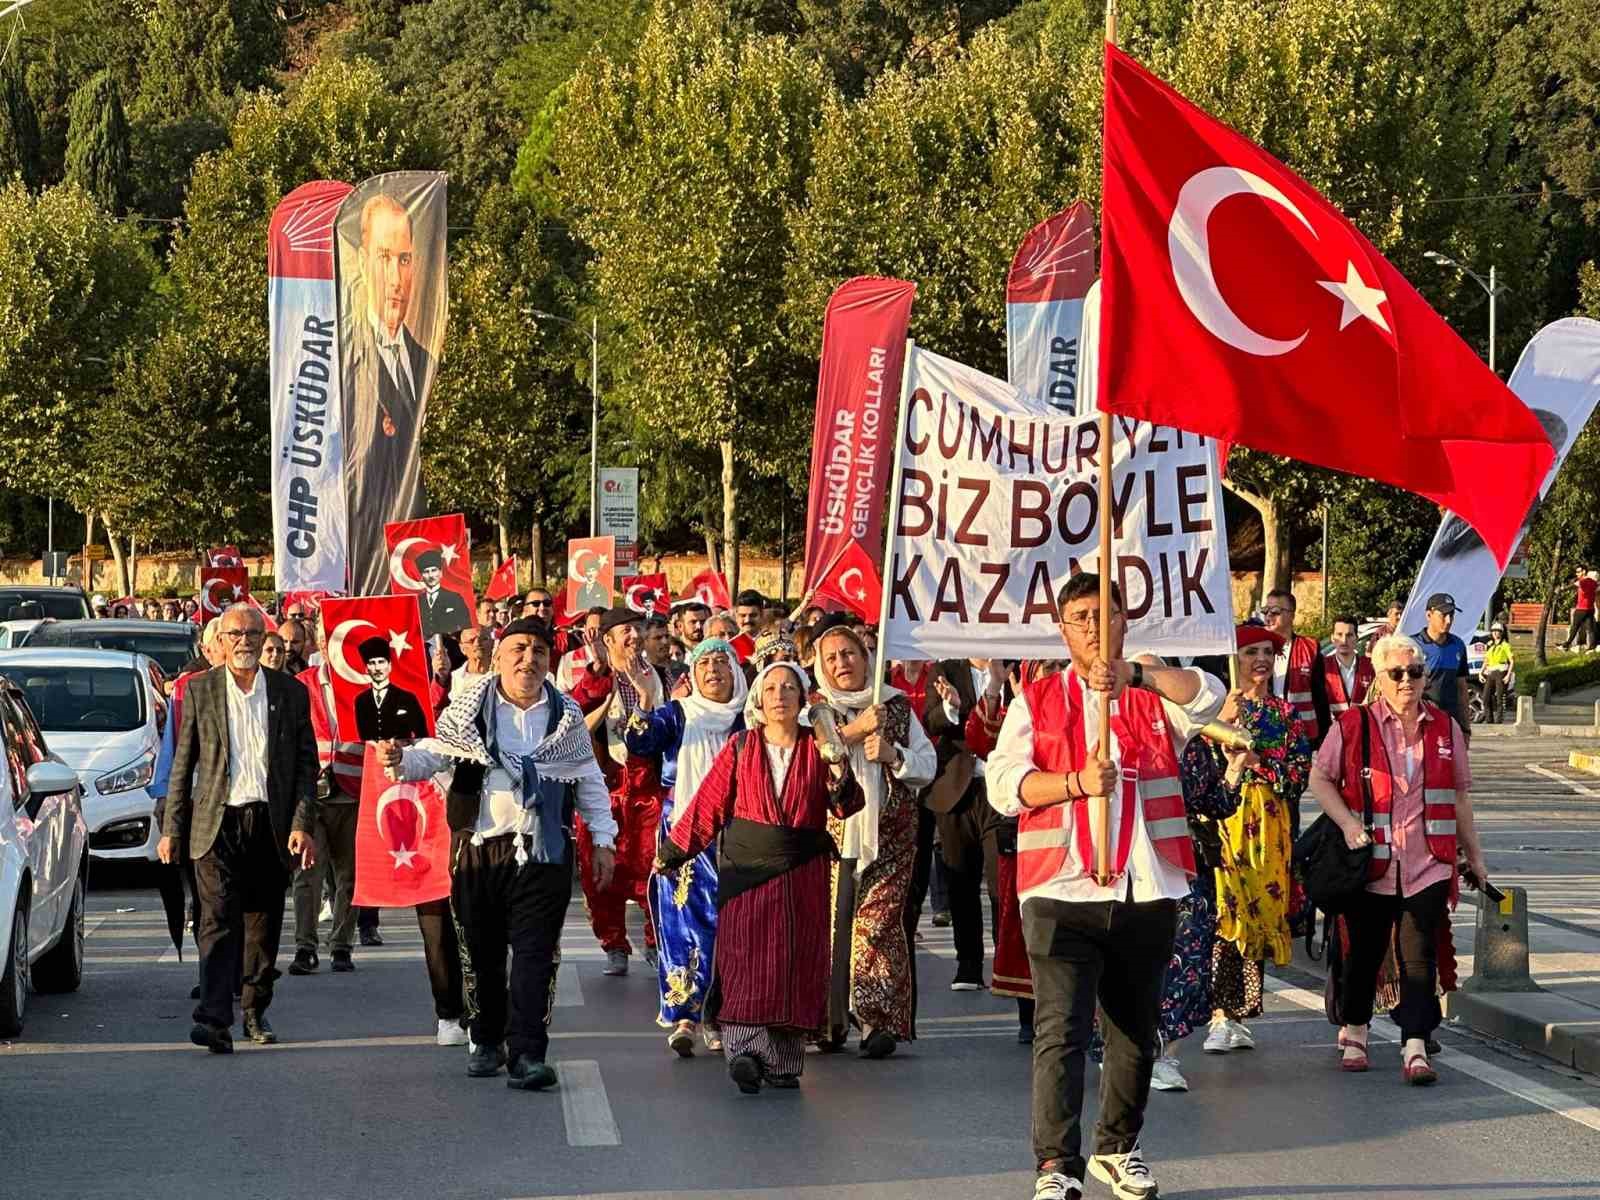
569,992
584,1105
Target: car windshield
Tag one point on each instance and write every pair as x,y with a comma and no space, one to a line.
170,650
81,699
33,606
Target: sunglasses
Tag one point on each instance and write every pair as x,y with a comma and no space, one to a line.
1412,673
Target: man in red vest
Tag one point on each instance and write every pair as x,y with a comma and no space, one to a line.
1089,940
1298,675
1348,675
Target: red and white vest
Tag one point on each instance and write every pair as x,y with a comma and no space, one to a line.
1297,685
1044,843
344,757
1334,678
1438,784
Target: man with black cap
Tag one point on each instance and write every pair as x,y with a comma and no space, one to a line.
443,611
615,681
384,710
1445,656
520,766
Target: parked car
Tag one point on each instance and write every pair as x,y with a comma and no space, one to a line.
26,601
103,712
44,865
170,643
14,633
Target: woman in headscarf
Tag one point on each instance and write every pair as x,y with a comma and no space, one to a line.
874,981
769,795
1253,875
688,733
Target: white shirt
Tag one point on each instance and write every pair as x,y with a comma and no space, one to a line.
952,708
1348,674
1280,671
247,740
778,760
461,680
393,355
1149,876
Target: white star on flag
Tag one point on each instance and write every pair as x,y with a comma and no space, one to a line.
1359,299
402,858
398,642
237,591
448,554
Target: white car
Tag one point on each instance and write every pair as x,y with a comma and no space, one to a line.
103,712
44,865
14,633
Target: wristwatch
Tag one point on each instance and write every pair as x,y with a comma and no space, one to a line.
1138,675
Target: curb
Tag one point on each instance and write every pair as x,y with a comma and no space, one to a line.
1541,1022
1588,763
1559,731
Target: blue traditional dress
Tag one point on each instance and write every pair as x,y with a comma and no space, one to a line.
687,733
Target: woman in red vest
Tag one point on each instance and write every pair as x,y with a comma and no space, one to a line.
1421,814
1253,880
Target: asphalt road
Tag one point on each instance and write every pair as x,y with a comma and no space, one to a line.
103,1096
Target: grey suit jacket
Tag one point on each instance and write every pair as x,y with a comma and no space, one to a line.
198,792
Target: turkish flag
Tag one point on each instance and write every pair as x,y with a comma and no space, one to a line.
224,556
743,645
853,582
591,570
378,664
402,841
431,559
220,587
1237,303
710,588
646,594
503,583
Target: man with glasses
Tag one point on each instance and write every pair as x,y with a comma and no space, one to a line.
539,604
1445,657
1298,674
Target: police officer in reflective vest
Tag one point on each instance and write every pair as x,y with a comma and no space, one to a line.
1091,940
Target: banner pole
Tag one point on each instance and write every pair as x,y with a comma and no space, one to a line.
1101,823
897,470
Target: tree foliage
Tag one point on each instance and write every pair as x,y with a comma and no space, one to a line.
98,144
19,127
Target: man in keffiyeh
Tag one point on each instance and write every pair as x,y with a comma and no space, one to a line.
519,764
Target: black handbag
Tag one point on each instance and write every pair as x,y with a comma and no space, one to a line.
1333,874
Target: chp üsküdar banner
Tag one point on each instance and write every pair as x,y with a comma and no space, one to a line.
393,304
1045,289
999,505
307,413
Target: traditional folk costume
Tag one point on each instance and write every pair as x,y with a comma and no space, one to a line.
874,973
1089,943
687,734
771,807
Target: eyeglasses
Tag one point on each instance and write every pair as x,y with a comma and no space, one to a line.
1090,620
1275,611
243,635
539,603
1412,673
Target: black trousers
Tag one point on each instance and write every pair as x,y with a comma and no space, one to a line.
1117,954
335,867
921,874
443,953
961,852
1372,923
1494,696
241,882
1582,631
497,905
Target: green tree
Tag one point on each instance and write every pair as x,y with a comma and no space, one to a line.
680,166
19,126
201,54
97,142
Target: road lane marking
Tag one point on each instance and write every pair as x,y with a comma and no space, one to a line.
569,992
361,1043
1578,788
1538,1094
584,1105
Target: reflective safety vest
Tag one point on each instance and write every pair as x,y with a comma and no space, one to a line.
1297,686
344,757
1438,784
1334,678
1045,848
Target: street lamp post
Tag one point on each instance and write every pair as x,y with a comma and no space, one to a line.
593,334
1491,289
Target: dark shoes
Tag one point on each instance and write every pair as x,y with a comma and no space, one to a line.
371,937
877,1044
257,1029
783,1081
213,1037
484,1062
305,962
941,920
530,1075
1025,1035
341,962
745,1070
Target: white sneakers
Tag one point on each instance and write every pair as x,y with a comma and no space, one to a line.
1127,1175
1166,1077
1226,1035
616,963
451,1033
1240,1038
966,985
1054,1185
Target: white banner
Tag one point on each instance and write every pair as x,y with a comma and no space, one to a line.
1558,377
309,530
619,513
1049,276
999,505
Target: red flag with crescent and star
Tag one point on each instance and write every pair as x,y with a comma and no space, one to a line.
646,594
1238,303
378,664
853,582
503,582
431,559
402,841
220,587
591,571
711,589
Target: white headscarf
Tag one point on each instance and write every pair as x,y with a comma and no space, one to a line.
861,830
753,715
707,725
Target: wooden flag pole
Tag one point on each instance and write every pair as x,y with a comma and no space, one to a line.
900,413
1100,823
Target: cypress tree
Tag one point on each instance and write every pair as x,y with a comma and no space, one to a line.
98,142
19,127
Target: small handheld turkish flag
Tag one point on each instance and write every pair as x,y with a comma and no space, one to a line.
646,594
1238,303
220,587
853,582
503,582
710,588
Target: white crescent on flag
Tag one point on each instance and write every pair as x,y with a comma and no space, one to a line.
641,598
208,600
337,659
860,590
397,564
402,793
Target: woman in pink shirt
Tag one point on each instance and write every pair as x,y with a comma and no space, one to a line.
1422,813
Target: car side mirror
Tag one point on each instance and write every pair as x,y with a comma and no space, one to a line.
48,779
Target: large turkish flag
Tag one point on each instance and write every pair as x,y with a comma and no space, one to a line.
436,550
1236,302
402,841
378,664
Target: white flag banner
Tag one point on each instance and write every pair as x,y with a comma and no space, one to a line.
1049,277
1558,377
308,501
999,505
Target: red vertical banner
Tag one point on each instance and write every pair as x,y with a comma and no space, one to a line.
858,388
591,572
